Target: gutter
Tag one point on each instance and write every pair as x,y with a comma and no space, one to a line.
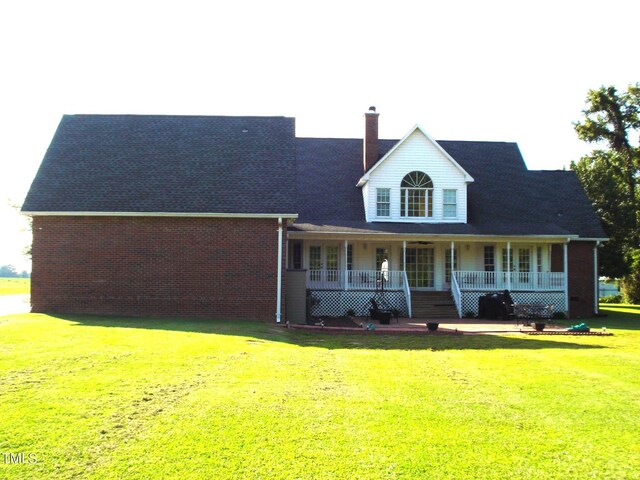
297,234
160,214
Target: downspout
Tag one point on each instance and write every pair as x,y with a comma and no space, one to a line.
279,295
565,251
596,281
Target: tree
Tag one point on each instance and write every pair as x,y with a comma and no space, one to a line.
611,174
8,271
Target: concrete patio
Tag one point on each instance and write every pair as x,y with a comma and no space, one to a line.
452,326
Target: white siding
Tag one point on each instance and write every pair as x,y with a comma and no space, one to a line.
417,152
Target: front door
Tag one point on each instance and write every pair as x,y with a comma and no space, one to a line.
419,267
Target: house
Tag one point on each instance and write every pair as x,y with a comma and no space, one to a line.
230,216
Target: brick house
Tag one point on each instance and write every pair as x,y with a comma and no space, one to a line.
202,216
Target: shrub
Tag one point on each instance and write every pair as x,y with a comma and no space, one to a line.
611,299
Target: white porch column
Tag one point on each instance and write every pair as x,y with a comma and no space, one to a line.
346,273
279,294
534,266
565,251
509,266
596,279
452,264
404,255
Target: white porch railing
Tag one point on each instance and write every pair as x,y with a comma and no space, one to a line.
457,296
354,280
407,292
534,281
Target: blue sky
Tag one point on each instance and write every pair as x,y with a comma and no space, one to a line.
463,70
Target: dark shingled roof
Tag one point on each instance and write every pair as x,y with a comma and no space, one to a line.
505,199
173,164
255,165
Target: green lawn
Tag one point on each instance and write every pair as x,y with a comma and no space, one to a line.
14,286
91,397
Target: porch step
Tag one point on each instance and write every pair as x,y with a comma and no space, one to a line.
433,305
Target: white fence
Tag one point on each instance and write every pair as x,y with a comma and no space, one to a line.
534,281
354,280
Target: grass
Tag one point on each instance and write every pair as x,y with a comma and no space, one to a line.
15,286
107,398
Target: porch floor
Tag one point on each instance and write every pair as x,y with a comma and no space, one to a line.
460,326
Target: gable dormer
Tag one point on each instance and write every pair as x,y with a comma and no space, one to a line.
417,181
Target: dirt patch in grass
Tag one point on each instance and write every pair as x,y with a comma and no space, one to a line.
345,322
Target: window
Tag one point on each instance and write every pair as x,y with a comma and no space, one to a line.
489,259
332,263
447,264
295,254
383,202
539,259
449,204
524,260
315,263
416,195
349,257
381,254
508,263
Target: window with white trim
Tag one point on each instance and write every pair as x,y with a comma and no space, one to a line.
416,195
489,258
381,255
383,202
539,259
449,203
508,263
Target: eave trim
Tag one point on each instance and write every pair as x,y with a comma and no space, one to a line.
160,214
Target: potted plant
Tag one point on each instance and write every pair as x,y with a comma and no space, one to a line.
432,326
539,326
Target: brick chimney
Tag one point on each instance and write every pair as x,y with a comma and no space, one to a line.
370,141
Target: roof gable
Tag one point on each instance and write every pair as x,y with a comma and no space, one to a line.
417,128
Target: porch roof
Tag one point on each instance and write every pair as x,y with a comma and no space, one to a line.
432,229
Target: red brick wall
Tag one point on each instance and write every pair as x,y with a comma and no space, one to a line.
156,266
581,275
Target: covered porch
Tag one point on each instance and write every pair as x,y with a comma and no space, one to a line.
342,272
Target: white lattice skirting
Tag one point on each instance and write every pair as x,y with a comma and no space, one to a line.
335,303
470,300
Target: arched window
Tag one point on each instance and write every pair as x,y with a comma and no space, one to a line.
416,195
